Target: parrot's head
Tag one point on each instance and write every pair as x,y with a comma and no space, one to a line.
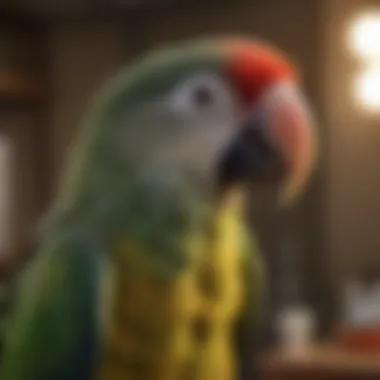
226,111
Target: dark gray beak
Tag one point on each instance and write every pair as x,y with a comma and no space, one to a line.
250,158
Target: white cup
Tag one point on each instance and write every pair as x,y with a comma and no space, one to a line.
296,328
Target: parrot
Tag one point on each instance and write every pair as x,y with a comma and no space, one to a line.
145,268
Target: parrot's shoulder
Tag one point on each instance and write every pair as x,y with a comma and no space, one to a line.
70,246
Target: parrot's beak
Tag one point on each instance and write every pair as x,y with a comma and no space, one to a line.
277,146
249,159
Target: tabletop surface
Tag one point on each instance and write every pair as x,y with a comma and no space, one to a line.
322,357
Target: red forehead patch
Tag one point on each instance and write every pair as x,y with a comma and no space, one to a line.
254,67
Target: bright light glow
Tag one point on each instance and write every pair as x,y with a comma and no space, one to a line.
364,35
367,89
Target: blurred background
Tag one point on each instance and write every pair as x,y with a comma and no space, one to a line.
323,255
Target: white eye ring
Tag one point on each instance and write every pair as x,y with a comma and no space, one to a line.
197,94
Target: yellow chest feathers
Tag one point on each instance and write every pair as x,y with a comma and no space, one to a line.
174,328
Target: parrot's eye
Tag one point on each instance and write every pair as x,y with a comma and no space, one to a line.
200,95
203,96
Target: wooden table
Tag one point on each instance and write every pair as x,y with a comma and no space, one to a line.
324,362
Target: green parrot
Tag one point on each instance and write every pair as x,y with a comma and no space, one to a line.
145,269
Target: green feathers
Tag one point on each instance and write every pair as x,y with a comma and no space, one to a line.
55,320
